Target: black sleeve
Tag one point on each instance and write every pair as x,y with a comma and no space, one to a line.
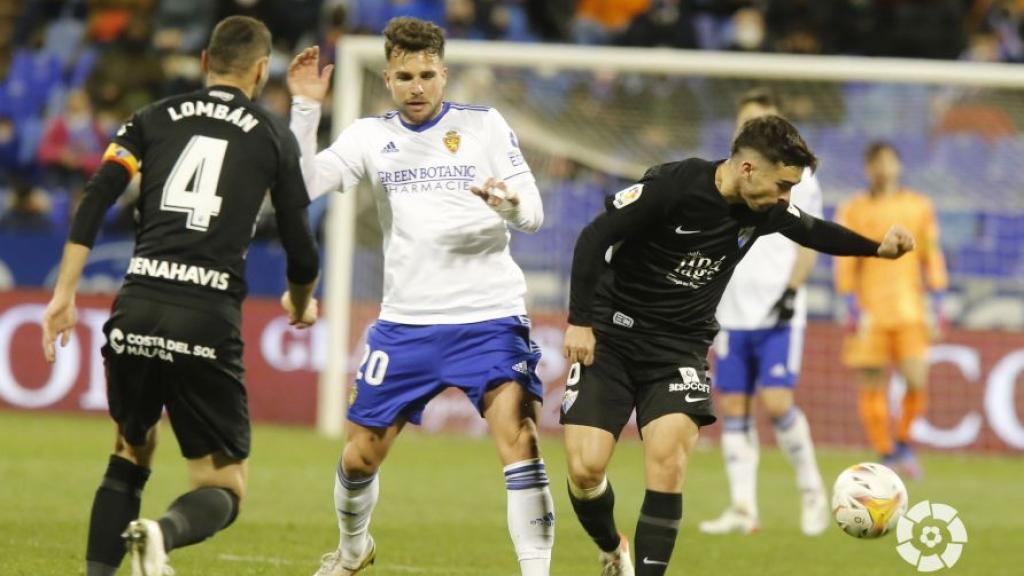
102,190
289,197
129,134
631,211
822,235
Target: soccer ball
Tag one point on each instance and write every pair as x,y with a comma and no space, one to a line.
868,499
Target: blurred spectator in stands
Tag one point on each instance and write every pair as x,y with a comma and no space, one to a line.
598,21
919,29
550,19
1004,19
335,27
748,31
276,99
370,16
129,74
668,23
72,145
982,45
183,26
801,26
27,210
461,21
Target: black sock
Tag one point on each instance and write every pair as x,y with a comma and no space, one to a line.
597,518
656,532
116,503
197,515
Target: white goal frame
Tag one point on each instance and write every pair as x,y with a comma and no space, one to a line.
353,51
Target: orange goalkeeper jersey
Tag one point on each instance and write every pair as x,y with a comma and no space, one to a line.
892,292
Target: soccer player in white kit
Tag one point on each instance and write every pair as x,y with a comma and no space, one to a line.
449,179
762,316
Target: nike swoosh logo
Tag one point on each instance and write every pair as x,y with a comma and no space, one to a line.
679,230
650,562
697,399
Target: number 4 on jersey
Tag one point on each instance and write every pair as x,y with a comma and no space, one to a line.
191,187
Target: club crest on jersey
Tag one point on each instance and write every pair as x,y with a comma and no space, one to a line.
745,235
451,141
626,197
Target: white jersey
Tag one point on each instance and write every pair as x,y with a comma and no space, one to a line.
761,277
446,253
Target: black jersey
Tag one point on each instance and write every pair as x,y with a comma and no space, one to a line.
678,242
208,159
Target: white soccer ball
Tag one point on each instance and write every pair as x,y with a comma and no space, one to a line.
868,499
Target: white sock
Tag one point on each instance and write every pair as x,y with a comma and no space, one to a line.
531,515
794,438
353,502
741,452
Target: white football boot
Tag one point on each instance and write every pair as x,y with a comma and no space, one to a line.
732,521
332,564
814,513
617,562
145,543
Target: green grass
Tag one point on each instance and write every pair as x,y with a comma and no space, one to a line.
442,509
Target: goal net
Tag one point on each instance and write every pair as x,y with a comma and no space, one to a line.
590,120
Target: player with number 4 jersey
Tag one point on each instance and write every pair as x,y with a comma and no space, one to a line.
173,340
449,181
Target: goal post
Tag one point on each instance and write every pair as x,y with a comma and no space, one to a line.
591,118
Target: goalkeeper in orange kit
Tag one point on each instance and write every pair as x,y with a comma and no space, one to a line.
893,306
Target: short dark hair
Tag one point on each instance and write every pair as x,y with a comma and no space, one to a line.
237,42
777,140
877,147
760,96
406,34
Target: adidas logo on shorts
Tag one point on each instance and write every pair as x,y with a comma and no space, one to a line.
520,367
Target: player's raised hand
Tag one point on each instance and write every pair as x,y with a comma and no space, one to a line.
579,344
59,319
496,194
897,242
306,79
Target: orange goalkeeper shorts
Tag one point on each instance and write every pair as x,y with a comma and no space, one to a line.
880,347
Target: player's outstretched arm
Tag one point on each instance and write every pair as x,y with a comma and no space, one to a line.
838,240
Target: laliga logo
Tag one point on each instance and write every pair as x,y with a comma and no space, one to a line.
117,340
931,536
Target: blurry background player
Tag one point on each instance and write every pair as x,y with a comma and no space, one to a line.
762,315
207,159
449,180
888,305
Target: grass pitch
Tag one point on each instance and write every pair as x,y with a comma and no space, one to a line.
442,508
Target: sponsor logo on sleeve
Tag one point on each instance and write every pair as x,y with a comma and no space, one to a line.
626,197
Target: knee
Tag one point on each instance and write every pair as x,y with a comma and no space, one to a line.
585,474
359,461
666,471
520,442
777,405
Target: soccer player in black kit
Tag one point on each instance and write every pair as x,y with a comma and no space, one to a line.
173,340
640,326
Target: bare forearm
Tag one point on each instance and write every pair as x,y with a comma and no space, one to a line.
71,265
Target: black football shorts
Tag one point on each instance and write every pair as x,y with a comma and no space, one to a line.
167,353
654,376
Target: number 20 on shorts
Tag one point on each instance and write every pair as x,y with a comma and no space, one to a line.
373,367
